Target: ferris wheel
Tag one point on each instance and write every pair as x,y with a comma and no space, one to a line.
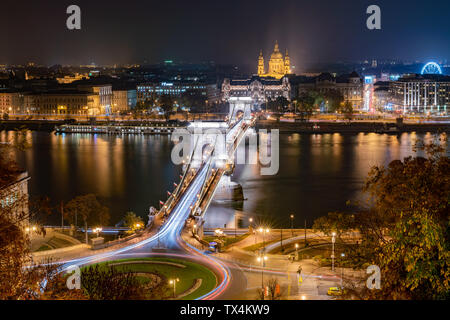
431,68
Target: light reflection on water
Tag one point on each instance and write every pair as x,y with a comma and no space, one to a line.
318,173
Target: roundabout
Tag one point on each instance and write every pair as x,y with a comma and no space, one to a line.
193,280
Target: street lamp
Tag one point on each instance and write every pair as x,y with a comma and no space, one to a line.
292,224
264,231
342,269
97,231
262,259
296,251
174,283
218,232
333,240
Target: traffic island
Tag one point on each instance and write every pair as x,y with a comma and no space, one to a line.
182,279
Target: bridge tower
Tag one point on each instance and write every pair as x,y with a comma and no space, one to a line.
240,104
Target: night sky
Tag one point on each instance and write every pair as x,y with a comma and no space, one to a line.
229,31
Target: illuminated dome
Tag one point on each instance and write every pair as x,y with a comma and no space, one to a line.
276,52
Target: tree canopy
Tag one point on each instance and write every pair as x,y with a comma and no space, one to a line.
405,228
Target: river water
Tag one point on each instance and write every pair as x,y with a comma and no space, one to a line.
318,173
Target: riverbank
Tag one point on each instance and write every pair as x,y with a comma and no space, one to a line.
51,125
284,126
352,127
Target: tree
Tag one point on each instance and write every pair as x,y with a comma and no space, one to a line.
334,100
194,100
273,288
89,210
347,110
305,104
166,103
21,278
335,222
108,283
279,104
133,222
405,231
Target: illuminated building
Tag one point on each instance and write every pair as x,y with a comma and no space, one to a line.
71,78
102,97
278,66
123,100
260,90
349,85
61,102
421,93
11,101
176,89
369,82
382,97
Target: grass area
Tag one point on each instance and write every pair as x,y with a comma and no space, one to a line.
259,245
228,240
186,275
44,247
290,248
56,243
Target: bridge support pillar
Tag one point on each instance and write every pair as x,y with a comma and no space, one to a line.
199,221
228,190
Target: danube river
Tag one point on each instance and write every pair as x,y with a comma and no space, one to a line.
318,173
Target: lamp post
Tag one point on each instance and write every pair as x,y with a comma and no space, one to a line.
262,259
292,224
97,231
342,270
235,225
333,240
296,251
264,231
174,283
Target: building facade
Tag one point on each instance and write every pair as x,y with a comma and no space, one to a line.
350,86
61,102
261,90
279,66
11,102
103,97
421,94
147,91
123,100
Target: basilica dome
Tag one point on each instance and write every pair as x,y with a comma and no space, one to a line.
276,53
